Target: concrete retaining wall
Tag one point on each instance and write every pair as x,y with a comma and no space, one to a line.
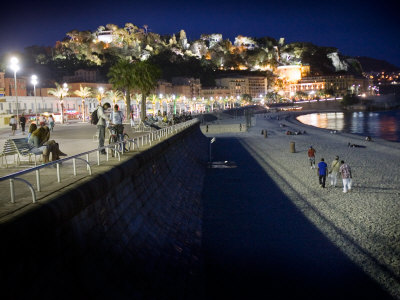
132,232
223,128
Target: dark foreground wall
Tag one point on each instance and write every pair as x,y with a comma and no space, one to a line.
131,233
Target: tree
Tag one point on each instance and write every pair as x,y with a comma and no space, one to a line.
114,95
83,92
145,76
141,75
60,92
122,78
247,99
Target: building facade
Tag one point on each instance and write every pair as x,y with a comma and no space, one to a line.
8,85
188,87
215,93
255,86
339,84
82,75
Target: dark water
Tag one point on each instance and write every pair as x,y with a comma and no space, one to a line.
385,124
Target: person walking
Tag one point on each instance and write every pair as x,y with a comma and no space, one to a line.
101,124
311,156
13,124
51,122
345,171
22,122
322,171
334,171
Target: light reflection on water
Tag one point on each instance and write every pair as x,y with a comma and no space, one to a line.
385,125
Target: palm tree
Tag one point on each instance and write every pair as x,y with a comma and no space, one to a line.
126,76
122,77
83,92
115,96
60,92
145,78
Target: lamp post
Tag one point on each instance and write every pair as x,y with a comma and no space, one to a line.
15,67
100,96
161,108
65,89
174,98
34,81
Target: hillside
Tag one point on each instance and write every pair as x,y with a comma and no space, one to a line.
376,65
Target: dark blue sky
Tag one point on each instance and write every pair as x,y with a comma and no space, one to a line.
363,28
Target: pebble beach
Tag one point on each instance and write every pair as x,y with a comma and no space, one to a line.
363,223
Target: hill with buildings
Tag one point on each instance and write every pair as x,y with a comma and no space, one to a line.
198,58
210,67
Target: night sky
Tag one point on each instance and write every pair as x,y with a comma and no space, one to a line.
362,28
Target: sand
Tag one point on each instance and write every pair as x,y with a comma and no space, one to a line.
363,223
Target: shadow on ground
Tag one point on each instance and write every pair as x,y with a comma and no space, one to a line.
258,245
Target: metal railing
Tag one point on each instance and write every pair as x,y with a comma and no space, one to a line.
135,143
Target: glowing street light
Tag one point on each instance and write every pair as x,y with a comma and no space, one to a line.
65,89
100,94
34,81
15,67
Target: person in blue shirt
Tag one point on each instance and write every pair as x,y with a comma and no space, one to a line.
322,171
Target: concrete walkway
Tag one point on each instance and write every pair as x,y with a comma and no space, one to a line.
258,245
73,138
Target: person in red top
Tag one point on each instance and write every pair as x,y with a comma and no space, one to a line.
311,156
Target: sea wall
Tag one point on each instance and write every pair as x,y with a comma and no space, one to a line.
131,232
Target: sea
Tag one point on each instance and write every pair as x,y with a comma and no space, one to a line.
383,124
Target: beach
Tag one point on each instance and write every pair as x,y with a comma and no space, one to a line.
364,223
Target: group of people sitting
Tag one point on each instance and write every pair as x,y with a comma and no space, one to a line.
296,132
40,143
163,119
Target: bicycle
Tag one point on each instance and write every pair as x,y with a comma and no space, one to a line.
113,139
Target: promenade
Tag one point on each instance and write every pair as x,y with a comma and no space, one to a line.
271,232
74,138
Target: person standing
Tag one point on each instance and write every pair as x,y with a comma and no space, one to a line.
116,118
334,171
22,122
101,124
13,124
345,171
311,157
322,170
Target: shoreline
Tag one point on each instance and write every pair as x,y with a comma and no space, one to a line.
294,115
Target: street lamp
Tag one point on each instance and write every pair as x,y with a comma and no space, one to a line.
15,67
34,81
65,89
101,91
174,98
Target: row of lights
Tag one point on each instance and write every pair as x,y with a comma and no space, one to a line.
14,66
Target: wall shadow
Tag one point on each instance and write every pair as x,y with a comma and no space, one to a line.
258,245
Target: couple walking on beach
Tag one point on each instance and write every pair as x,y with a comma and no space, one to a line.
334,170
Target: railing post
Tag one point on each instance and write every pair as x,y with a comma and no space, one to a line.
98,157
58,172
37,180
12,190
74,165
87,159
